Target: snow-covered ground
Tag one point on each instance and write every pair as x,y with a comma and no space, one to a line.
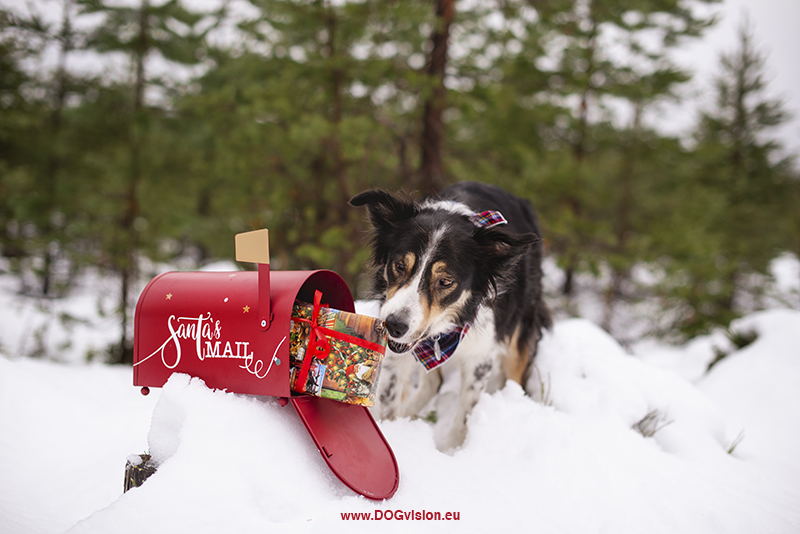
567,460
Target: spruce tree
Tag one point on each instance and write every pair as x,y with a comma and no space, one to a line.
741,168
559,112
324,106
16,115
603,61
143,33
43,202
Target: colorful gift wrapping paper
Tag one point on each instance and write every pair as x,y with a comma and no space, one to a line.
345,366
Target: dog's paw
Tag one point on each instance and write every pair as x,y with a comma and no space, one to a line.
452,439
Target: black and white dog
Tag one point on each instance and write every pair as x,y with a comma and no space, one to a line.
459,278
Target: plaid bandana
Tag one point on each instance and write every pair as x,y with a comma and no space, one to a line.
488,218
434,351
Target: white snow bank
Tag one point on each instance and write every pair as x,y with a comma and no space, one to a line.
570,463
758,388
65,432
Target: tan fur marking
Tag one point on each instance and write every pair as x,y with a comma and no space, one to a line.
429,309
433,310
439,269
438,273
515,363
408,260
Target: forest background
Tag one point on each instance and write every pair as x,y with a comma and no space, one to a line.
211,118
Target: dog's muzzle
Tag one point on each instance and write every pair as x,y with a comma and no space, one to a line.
396,326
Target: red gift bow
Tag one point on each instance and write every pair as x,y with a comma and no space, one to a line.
318,345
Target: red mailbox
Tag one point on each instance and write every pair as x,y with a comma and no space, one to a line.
232,330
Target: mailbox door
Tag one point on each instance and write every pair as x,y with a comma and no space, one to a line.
351,444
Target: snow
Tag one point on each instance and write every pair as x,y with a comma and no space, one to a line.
566,459
757,386
65,432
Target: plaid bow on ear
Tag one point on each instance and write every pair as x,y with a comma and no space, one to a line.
488,218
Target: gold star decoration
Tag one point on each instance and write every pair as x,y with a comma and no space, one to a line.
169,296
246,309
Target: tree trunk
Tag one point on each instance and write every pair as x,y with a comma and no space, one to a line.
128,226
431,173
54,162
337,87
623,225
574,201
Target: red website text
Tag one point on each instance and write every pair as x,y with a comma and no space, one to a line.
401,515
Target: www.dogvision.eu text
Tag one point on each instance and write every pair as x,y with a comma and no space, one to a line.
401,515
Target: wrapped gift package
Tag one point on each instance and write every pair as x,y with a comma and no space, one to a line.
335,354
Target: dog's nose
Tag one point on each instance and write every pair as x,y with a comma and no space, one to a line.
395,326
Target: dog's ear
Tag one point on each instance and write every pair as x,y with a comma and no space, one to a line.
500,252
503,247
384,208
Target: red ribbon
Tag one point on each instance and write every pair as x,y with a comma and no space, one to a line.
318,345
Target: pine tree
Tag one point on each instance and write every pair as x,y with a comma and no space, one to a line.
142,33
43,203
16,114
741,169
558,113
581,36
323,107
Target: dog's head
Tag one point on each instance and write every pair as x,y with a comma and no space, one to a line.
435,266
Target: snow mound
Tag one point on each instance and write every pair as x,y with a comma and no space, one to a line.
582,371
65,432
607,443
757,387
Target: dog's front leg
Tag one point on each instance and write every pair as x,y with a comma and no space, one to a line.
396,397
429,384
394,385
474,379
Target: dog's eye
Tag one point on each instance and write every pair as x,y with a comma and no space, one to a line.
399,267
444,282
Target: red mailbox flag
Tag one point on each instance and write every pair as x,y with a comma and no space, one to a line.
232,328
